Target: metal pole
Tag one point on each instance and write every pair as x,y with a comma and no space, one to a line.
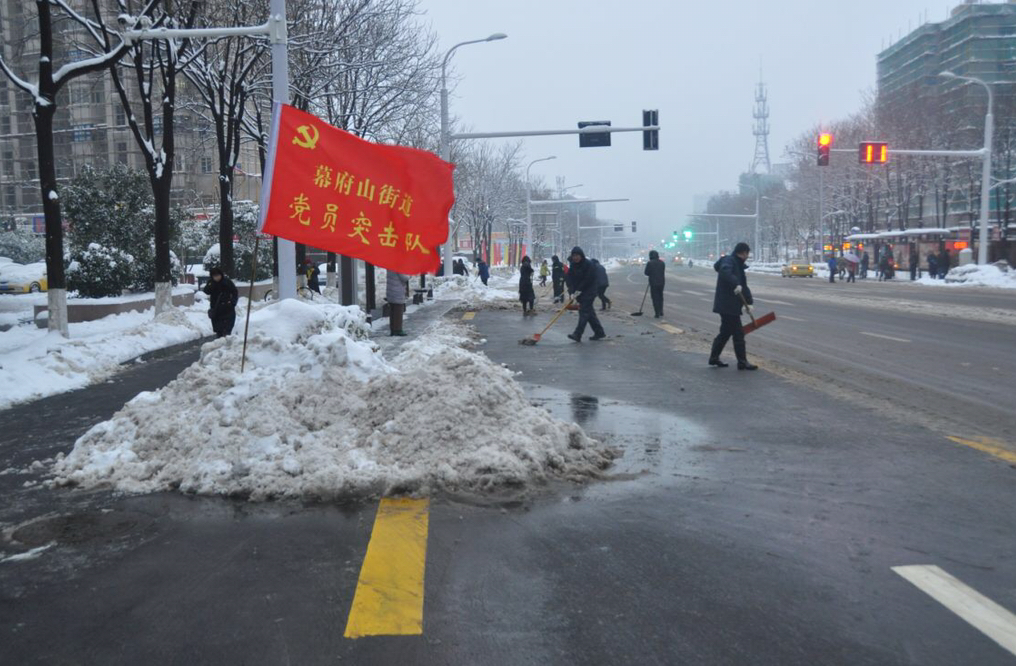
821,213
529,216
280,94
989,122
446,151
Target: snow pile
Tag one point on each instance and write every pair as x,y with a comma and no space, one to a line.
472,292
35,363
998,275
320,414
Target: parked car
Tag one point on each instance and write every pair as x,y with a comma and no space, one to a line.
23,278
798,269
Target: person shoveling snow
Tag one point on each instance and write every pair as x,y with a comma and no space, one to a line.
320,414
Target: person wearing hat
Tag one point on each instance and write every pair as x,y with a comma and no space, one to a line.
222,300
732,294
582,283
654,270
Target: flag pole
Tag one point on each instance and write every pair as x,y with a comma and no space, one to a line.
250,299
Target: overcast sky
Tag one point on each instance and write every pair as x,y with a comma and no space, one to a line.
697,62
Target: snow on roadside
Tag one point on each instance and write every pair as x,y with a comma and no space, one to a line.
472,292
974,275
320,414
35,363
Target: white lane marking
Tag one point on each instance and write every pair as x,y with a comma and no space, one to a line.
694,293
791,318
884,337
769,300
994,621
707,300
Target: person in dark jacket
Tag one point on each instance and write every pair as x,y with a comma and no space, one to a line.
833,269
732,294
655,270
222,300
932,266
526,292
864,266
557,278
483,271
944,263
602,282
582,283
915,264
313,274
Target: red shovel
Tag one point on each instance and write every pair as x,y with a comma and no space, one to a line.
756,323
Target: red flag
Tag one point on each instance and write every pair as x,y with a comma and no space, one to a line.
326,188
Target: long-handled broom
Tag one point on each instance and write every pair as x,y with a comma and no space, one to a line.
536,337
639,313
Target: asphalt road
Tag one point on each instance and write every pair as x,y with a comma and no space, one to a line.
934,355
753,518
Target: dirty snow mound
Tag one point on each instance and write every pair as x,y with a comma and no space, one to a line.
319,413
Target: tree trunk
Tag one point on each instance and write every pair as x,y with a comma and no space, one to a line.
57,297
226,259
161,190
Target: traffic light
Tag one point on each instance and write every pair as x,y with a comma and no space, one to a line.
597,139
651,138
825,142
618,228
633,226
873,152
688,233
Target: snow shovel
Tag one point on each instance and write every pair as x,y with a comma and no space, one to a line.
536,337
756,323
639,313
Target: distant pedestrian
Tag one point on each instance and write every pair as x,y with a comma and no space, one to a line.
883,267
459,267
557,278
833,270
915,264
313,274
483,271
526,293
852,271
944,264
222,300
732,294
582,284
655,270
864,266
602,282
544,273
932,266
396,292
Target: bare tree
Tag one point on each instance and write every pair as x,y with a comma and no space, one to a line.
44,95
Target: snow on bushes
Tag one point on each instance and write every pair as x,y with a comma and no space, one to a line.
22,246
320,414
99,271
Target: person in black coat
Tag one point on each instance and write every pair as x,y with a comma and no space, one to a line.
526,292
944,264
864,266
557,278
654,271
222,300
582,284
313,274
732,294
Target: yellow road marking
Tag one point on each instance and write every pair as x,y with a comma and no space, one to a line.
389,594
993,447
468,316
670,329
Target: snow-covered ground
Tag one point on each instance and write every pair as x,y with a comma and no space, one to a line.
320,413
35,363
18,308
973,275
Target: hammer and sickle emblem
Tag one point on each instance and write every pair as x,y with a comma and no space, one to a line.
310,136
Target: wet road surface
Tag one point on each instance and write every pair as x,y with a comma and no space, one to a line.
752,519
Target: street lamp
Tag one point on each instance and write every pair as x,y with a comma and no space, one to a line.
529,211
445,147
989,128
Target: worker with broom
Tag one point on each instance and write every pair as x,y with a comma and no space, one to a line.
732,294
654,270
582,284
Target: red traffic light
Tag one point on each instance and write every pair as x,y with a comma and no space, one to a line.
873,152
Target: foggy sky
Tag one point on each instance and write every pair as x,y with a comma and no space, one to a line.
697,62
